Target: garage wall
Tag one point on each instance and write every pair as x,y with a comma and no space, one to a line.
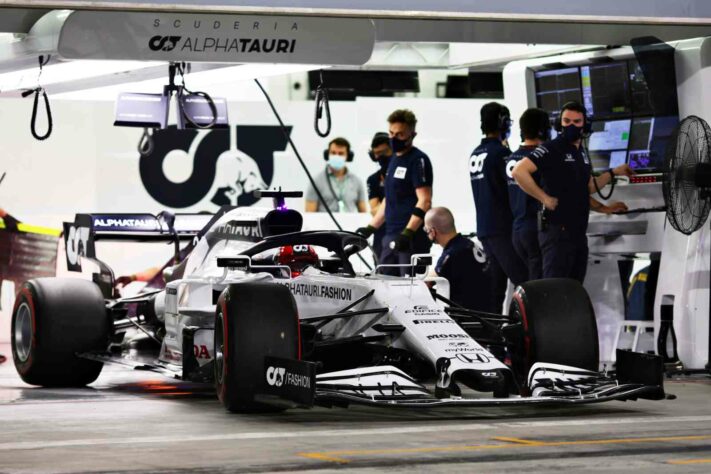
89,165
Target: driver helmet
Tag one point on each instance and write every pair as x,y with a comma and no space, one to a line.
297,258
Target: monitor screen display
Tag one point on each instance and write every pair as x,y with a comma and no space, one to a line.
648,140
556,87
610,135
606,89
603,160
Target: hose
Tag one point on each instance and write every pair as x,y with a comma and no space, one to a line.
321,101
37,91
205,95
146,144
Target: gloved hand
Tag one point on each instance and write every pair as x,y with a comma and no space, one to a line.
403,243
366,231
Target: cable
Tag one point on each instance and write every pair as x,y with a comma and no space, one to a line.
37,91
597,188
321,100
303,165
205,95
146,144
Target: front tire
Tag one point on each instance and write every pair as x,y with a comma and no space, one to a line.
253,320
53,320
559,325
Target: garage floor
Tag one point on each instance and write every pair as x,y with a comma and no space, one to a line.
137,422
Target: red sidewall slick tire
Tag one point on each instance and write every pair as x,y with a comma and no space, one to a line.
53,320
253,320
559,324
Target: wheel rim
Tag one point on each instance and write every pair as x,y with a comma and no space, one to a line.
23,332
219,350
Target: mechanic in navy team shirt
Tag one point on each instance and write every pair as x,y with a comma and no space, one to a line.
462,263
566,183
408,196
487,171
535,129
380,152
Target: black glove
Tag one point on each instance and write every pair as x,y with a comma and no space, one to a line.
366,231
403,243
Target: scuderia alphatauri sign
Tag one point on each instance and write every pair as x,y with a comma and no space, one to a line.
216,38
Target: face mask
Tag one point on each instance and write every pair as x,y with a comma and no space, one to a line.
383,161
398,145
336,162
572,133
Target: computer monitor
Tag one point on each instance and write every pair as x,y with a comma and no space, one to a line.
610,135
605,89
649,137
555,87
602,160
608,143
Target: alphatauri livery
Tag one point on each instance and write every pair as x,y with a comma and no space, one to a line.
276,317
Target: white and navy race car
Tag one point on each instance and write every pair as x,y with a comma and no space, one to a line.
276,317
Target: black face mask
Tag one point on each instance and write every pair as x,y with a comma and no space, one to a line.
572,133
383,161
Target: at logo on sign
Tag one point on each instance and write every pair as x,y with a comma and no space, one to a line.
163,43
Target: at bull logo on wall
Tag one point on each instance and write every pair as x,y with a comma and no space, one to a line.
227,165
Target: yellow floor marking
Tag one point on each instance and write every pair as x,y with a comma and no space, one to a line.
337,456
691,461
527,442
334,455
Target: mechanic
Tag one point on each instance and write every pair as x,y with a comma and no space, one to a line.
535,129
487,171
380,152
408,196
341,189
462,263
566,183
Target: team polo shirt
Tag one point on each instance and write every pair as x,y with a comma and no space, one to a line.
565,173
466,269
405,174
487,172
524,208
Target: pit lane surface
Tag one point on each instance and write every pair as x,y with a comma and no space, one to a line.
132,421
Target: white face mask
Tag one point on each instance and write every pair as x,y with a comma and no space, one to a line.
336,162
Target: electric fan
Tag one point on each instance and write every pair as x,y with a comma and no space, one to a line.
687,192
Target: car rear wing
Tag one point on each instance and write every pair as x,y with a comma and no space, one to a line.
80,236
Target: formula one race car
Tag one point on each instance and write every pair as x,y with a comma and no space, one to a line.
276,317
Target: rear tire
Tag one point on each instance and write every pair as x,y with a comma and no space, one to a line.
559,325
53,320
253,320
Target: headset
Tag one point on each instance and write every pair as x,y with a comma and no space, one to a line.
587,122
350,155
378,139
503,116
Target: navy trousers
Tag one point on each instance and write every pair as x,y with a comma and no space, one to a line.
564,252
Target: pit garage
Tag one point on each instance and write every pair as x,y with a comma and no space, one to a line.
172,300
